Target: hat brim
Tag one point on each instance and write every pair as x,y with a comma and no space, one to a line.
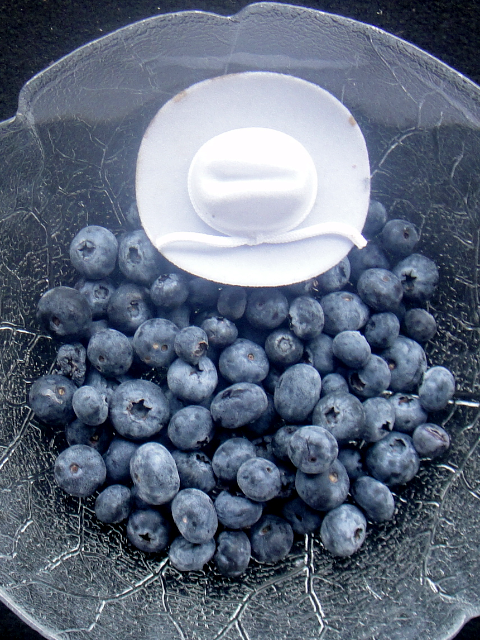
301,109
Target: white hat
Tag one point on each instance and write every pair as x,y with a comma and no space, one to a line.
253,179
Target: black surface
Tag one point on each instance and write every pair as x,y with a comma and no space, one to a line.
35,33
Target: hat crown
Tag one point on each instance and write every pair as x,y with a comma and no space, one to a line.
252,182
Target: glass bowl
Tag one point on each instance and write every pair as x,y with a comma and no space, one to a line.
68,159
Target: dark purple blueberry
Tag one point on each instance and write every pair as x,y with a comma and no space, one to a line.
244,361
374,498
138,259
195,470
408,412
195,516
283,348
312,449
376,219
154,473
297,392
64,312
302,518
179,315
419,277
334,279
343,530
97,437
128,308
237,511
169,291
342,414
259,479
352,460
98,294
266,308
80,470
319,353
430,440
139,409
153,342
436,389
192,383
407,363
90,406
191,344
72,362
229,457
50,398
380,289
326,490
220,331
280,441
233,553
148,530
93,252
333,383
305,316
382,330
379,419
370,257
271,539
393,460
238,405
113,504
399,237
232,302
203,294
372,379
352,349
191,428
186,556
344,311
117,460
419,325
110,352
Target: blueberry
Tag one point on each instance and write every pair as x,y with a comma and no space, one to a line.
191,344
195,470
229,457
312,449
408,412
376,219
297,392
259,479
98,294
179,315
326,490
342,414
169,291
343,530
232,302
128,308
238,405
304,288
280,441
393,460
220,331
344,311
380,289
399,237
436,389
237,511
50,399
333,383
271,539
302,518
64,312
93,252
382,330
138,259
244,361
266,308
419,325
154,473
191,428
110,352
117,460
352,460
370,257
97,437
90,406
80,470
379,419
372,379
113,504
375,498
306,318
138,409
186,556
430,440
203,294
71,362
233,553
283,348
407,363
148,530
195,516
334,279
351,348
419,277
319,353
154,341
192,383
266,422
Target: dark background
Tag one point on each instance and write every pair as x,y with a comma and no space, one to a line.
35,33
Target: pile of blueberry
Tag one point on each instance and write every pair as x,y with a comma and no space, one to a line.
219,422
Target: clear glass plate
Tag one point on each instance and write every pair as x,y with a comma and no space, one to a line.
68,159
